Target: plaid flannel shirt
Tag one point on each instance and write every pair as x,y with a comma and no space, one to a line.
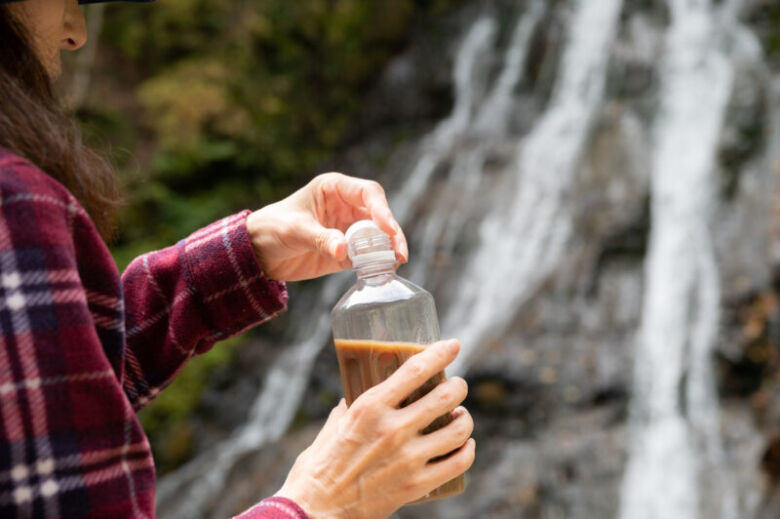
81,349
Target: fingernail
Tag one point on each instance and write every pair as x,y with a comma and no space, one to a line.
458,411
453,346
403,252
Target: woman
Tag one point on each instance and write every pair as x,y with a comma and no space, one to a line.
81,349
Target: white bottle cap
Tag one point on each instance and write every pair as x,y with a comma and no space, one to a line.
367,243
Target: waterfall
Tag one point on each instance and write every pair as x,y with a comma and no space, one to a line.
675,439
491,201
468,81
489,123
522,244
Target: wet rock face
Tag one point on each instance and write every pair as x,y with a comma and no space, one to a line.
551,390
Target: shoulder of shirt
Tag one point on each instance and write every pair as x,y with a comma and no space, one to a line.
21,178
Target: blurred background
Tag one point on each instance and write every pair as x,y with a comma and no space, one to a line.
589,191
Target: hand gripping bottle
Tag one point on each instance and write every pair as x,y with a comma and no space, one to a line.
380,322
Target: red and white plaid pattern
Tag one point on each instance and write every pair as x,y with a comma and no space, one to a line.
82,349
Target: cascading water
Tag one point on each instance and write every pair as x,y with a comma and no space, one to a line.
522,244
675,440
488,121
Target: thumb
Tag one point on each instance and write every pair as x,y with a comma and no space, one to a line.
330,242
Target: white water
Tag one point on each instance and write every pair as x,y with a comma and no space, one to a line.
469,81
522,244
675,440
489,124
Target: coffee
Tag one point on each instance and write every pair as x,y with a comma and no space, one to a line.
365,363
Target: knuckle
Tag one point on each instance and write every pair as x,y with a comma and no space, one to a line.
393,440
411,484
444,395
326,180
415,479
321,240
406,422
408,457
329,176
364,409
319,180
376,186
373,395
415,367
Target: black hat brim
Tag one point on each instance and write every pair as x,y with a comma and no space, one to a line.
85,1
103,1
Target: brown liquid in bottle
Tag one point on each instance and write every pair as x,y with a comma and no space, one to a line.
364,364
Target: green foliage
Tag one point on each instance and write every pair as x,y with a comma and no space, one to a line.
252,95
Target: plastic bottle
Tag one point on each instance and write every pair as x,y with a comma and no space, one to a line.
380,322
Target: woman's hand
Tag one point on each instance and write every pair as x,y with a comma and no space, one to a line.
302,236
371,459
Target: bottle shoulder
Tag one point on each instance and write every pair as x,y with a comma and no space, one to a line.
392,289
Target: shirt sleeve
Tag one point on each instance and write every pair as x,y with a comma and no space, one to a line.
274,508
182,299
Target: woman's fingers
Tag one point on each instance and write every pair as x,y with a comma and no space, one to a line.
364,195
361,193
416,371
441,400
447,439
436,473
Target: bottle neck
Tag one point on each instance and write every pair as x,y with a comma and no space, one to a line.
371,270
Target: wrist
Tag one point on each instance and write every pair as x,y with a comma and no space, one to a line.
307,499
261,238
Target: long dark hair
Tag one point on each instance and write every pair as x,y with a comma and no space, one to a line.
33,126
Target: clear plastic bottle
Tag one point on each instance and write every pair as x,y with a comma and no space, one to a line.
382,321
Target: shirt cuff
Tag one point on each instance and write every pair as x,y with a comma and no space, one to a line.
274,508
235,291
